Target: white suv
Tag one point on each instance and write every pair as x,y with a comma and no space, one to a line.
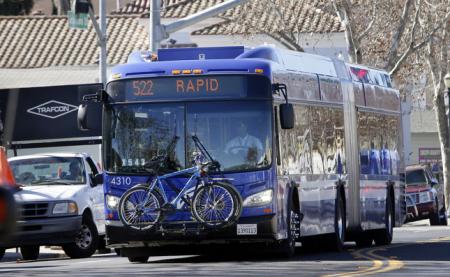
61,203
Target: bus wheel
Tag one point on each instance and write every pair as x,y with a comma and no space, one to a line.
384,236
339,224
364,240
30,252
139,259
2,252
286,248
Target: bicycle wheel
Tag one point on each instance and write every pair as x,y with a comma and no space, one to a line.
140,209
216,205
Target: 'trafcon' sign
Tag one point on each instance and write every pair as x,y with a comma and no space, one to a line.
52,109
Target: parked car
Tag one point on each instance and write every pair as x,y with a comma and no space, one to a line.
427,194
60,203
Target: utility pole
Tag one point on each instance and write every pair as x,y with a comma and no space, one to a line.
158,31
80,10
102,41
155,25
101,36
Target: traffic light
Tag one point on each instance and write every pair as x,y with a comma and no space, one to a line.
81,6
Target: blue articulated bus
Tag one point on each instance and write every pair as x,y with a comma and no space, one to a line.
310,145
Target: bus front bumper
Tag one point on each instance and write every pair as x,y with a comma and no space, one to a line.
192,233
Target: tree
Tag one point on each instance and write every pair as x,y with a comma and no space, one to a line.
61,6
437,13
16,7
406,38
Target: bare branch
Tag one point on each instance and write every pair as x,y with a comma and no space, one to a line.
398,34
286,41
344,13
412,48
374,17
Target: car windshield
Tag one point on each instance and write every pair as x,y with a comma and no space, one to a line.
415,177
49,171
236,134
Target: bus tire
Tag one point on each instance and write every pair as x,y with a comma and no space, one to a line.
2,252
286,247
338,239
138,259
364,240
384,236
30,252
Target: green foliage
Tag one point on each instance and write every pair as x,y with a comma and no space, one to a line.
16,7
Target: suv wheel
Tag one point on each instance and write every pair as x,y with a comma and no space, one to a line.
86,241
443,216
2,252
434,217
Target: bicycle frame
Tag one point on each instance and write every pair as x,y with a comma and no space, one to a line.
188,185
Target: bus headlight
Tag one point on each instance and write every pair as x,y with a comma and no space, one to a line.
259,199
65,208
112,202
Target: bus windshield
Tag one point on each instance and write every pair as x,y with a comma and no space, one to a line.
236,133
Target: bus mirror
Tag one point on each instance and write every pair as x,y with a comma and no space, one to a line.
82,118
287,116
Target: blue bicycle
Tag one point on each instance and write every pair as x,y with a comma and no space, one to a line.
214,204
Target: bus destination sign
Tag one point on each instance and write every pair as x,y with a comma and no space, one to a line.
183,87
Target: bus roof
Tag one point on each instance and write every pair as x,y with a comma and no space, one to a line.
238,59
231,59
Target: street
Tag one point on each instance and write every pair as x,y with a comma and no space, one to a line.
417,249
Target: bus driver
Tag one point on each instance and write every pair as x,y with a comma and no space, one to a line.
244,143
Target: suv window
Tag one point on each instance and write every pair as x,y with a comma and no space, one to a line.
416,177
49,170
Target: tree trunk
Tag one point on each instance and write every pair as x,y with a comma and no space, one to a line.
443,131
63,7
344,12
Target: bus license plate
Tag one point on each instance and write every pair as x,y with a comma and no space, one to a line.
247,229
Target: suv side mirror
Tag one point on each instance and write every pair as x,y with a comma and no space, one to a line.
287,116
433,182
97,180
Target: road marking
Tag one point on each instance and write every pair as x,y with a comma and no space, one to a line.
377,262
392,264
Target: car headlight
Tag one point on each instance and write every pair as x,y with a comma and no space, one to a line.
112,202
68,207
259,199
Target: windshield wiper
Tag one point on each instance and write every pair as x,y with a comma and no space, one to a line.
40,182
